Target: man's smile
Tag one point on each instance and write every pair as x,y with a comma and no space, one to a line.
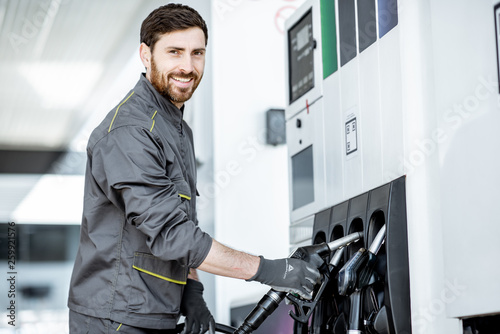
182,82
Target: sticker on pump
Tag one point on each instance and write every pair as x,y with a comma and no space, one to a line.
351,137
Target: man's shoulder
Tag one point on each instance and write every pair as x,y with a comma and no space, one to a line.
132,111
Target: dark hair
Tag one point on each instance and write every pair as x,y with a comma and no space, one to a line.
169,18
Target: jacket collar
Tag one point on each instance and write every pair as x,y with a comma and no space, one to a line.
168,109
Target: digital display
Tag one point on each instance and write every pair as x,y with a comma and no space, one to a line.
302,178
300,57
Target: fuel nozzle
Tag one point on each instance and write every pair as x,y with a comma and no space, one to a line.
360,266
348,275
305,308
267,304
324,249
271,300
355,275
366,274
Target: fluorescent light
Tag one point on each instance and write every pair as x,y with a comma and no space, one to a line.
61,85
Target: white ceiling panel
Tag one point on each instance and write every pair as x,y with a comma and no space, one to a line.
57,57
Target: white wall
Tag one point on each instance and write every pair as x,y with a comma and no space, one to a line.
468,113
250,185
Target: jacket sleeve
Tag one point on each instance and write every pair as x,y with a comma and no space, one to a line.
131,167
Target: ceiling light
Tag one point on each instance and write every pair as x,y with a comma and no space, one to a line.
62,85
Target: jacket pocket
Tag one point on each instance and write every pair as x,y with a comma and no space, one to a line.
184,193
157,285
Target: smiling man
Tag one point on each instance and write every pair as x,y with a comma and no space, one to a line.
176,68
140,244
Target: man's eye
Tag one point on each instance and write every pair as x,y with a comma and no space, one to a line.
173,52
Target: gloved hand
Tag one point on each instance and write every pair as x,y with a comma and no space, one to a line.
193,307
289,275
312,253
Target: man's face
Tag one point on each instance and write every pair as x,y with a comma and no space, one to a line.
177,64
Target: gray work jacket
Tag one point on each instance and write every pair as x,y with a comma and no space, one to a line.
139,233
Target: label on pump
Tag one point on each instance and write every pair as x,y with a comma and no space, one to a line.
351,137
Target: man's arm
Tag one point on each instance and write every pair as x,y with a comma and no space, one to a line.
288,275
225,261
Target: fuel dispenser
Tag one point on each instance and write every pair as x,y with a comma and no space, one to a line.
353,78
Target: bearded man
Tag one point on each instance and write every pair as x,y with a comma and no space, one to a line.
140,244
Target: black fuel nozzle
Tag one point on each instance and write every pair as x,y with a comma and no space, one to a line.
309,253
324,249
271,300
357,271
305,308
348,275
267,304
366,276
357,274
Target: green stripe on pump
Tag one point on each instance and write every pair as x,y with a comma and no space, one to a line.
328,37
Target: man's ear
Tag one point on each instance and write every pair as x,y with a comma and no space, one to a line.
145,54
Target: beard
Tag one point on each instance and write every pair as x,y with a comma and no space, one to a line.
175,94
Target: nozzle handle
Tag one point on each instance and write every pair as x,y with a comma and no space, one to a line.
378,241
344,241
337,257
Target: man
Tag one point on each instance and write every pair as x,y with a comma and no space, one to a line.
140,245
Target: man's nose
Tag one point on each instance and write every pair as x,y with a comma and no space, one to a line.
186,64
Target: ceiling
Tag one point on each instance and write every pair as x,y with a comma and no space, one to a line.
59,60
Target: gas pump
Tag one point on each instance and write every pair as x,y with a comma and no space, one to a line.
366,139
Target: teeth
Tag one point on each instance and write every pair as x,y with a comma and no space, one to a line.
182,79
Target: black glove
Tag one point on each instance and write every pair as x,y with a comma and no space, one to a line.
193,307
312,253
289,275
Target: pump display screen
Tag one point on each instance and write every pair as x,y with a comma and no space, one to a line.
300,57
302,178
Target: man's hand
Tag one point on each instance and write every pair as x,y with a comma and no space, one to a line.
289,275
193,307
